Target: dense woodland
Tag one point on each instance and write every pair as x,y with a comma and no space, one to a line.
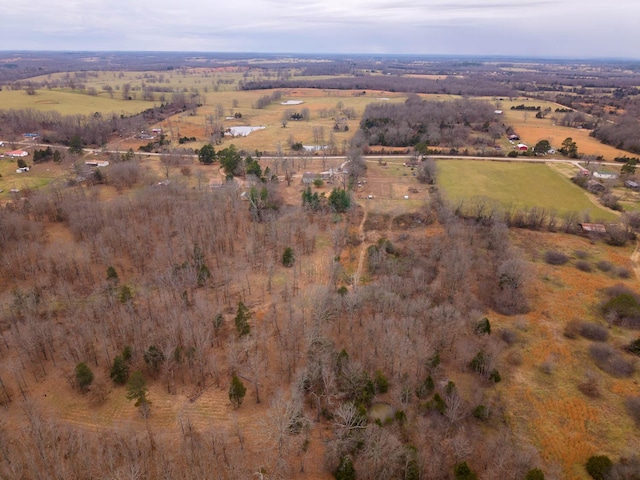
449,124
448,85
164,271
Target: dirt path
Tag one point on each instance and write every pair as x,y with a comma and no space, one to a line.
363,249
635,259
364,245
593,199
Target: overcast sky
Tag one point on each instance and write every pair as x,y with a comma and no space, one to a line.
549,28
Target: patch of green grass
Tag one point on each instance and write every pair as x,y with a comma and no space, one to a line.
70,103
522,185
38,177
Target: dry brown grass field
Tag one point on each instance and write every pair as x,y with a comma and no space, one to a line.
567,425
531,129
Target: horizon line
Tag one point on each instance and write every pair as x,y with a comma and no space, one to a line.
336,54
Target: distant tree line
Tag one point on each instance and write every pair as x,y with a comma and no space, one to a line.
392,83
625,134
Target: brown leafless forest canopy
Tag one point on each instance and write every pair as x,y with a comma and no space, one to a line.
253,328
314,353
446,123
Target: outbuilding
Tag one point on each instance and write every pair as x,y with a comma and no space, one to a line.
310,177
605,175
593,227
17,153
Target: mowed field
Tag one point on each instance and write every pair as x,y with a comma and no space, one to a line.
522,185
68,102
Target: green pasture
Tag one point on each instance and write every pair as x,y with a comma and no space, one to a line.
522,185
67,102
38,177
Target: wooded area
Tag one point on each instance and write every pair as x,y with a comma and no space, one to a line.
163,319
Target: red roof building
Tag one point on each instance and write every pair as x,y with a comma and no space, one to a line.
17,153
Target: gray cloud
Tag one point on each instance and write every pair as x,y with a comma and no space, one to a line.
574,28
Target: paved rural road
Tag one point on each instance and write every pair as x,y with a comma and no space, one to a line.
368,158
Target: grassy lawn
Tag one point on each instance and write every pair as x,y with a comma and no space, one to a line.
38,177
519,184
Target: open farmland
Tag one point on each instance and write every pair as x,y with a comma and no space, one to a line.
37,177
183,79
531,129
322,106
521,185
68,102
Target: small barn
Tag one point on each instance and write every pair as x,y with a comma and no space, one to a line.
522,147
632,185
309,177
97,164
17,153
593,227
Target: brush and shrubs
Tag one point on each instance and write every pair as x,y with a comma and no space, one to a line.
604,266
588,330
622,307
610,360
583,266
553,257
632,405
593,331
590,386
598,466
